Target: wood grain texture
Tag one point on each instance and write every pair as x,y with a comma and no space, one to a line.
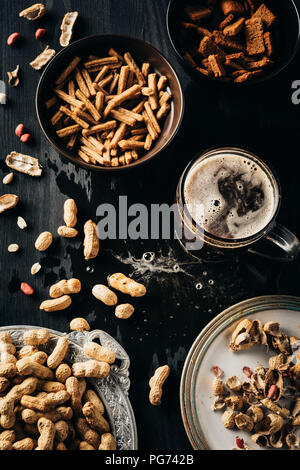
169,318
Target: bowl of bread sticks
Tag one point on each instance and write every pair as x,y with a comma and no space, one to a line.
109,103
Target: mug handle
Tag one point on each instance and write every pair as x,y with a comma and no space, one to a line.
283,239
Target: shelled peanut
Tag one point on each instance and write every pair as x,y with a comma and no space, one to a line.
45,403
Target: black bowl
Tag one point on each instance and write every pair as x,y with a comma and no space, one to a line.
289,24
99,44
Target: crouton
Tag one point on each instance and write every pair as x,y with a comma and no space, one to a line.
226,22
208,47
254,36
234,28
203,71
207,66
232,6
226,42
247,76
237,73
259,64
265,15
216,66
268,43
235,56
196,13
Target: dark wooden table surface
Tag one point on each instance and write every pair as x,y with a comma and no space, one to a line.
168,319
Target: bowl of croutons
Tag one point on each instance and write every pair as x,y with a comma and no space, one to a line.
234,41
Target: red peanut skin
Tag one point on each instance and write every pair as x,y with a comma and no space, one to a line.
25,138
40,33
26,289
272,391
13,38
239,442
19,130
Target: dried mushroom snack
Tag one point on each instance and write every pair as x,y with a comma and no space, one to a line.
260,439
234,402
244,422
241,337
249,333
257,381
24,164
294,343
13,77
218,388
275,408
272,328
42,59
234,383
8,201
293,441
271,424
67,28
34,12
257,333
267,404
281,343
275,440
228,419
219,404
296,408
280,362
256,413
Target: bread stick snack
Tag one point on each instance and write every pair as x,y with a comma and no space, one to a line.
109,110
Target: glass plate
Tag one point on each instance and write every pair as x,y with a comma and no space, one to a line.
113,390
203,426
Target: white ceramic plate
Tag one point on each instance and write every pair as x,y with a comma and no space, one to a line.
203,426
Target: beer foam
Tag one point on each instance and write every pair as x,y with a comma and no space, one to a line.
237,196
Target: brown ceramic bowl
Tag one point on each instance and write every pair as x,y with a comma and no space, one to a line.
99,45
